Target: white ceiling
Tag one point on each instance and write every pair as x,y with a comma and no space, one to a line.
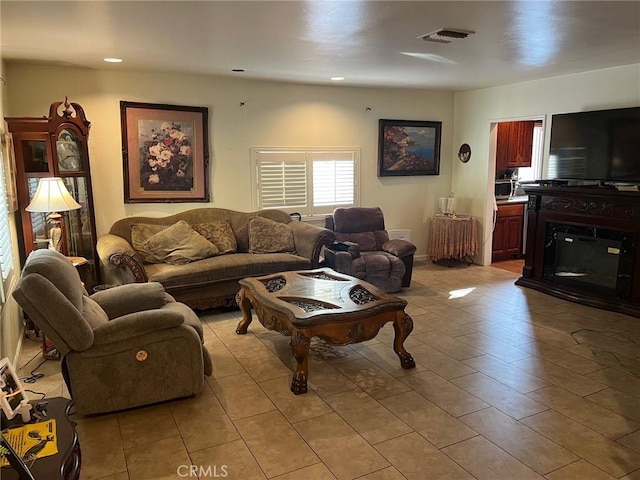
370,43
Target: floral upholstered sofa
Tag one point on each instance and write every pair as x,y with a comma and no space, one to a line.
200,255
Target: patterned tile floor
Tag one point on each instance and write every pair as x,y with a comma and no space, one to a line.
509,384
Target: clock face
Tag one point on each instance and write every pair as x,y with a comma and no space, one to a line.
68,152
70,162
464,154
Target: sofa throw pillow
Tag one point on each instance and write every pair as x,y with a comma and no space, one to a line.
177,245
220,233
269,236
140,233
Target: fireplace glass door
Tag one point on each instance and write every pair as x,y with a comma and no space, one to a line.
589,259
587,262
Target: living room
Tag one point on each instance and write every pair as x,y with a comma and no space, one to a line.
246,112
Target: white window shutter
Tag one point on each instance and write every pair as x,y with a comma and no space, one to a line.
333,182
282,184
282,180
306,181
6,250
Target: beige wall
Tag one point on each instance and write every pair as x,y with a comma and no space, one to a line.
11,328
274,114
475,111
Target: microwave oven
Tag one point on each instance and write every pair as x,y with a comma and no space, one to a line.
503,189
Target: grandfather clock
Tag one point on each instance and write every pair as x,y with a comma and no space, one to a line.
57,147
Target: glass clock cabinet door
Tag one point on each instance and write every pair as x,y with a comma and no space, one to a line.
35,157
39,221
77,223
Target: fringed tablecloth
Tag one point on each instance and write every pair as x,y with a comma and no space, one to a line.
453,237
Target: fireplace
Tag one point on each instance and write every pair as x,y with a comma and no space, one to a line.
592,259
582,245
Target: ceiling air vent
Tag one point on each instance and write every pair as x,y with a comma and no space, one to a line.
446,35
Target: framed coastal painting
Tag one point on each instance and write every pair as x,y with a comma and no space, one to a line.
165,150
408,147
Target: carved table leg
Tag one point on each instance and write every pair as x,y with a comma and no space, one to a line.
300,349
403,325
245,307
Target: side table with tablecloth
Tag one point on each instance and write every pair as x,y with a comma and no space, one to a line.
453,238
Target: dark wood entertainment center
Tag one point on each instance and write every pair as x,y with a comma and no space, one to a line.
584,215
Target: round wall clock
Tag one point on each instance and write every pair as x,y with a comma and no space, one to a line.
464,154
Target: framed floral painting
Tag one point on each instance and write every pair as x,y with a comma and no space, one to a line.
408,147
165,151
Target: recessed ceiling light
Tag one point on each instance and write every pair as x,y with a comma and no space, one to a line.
337,79
112,60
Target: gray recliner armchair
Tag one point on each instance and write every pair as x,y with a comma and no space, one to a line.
123,347
363,249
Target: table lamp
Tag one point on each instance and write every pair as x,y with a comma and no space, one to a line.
53,197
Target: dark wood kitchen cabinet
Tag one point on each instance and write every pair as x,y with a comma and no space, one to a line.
56,146
507,234
514,145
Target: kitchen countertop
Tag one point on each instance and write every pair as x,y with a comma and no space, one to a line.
514,199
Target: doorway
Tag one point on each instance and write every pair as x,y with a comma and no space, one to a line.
516,149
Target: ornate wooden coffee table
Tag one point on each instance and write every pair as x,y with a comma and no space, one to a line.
322,303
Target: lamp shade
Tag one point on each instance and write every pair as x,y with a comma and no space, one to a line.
52,196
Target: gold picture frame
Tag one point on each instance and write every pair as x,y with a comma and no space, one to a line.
165,152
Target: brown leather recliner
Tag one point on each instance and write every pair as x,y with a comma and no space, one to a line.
363,249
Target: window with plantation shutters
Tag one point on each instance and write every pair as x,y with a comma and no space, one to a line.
307,181
6,251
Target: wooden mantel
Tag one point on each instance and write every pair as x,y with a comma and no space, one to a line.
594,207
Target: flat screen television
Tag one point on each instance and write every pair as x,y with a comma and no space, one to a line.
601,145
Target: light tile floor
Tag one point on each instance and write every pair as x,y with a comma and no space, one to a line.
509,384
